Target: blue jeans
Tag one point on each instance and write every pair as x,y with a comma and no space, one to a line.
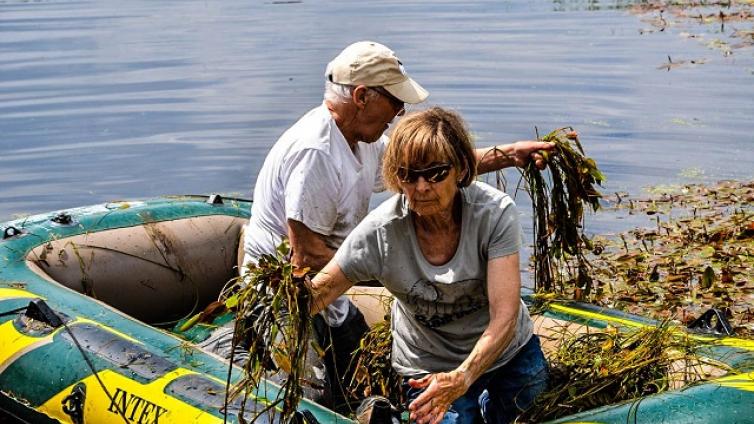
499,396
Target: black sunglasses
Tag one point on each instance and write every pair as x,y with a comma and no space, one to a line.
433,174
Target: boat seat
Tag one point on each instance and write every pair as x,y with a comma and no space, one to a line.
157,272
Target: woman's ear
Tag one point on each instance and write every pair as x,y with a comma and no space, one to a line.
462,176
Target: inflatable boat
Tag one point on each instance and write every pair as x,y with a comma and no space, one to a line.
89,298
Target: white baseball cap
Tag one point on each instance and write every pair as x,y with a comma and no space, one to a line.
374,65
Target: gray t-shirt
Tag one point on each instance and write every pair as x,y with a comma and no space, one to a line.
440,311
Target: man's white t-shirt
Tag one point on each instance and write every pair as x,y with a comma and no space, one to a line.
311,175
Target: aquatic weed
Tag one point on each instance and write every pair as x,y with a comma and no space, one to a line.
558,199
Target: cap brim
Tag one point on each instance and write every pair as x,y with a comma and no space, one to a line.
408,91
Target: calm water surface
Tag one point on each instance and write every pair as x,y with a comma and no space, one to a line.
106,100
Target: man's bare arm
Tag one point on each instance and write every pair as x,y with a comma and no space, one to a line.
515,154
308,248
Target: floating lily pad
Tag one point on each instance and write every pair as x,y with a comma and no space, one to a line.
703,258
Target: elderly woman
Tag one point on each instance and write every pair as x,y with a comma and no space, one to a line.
447,248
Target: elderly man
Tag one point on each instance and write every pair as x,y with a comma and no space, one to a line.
316,182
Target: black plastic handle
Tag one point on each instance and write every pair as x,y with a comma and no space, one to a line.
704,323
11,232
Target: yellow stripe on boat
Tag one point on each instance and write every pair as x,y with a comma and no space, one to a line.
594,315
727,341
7,294
738,381
82,320
140,403
14,344
732,342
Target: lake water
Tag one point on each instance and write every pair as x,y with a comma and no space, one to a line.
106,100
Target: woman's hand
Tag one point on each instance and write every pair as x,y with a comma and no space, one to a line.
327,285
441,390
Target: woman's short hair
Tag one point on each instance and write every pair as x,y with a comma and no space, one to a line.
427,137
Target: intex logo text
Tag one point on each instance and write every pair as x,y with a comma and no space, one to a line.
135,408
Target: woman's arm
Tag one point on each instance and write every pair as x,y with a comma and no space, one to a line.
504,291
327,285
442,389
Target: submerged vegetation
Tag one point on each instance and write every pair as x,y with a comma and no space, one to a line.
600,367
559,194
273,325
697,253
673,272
722,25
374,374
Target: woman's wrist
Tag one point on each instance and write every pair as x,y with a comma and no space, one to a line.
464,376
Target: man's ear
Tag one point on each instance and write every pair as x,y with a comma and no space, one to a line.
359,96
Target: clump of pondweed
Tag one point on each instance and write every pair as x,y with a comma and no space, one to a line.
273,324
373,374
603,367
558,200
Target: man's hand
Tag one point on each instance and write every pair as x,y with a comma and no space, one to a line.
441,390
308,248
524,151
515,154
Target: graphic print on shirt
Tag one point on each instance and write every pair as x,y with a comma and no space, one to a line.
436,304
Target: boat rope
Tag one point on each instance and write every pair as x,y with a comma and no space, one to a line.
94,371
13,311
51,318
230,373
